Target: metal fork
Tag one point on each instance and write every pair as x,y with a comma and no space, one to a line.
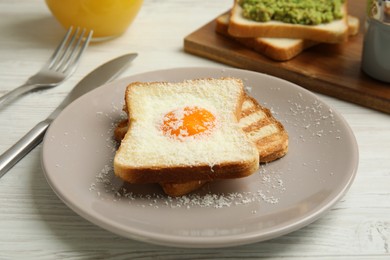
59,67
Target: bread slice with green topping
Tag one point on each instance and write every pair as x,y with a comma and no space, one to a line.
279,49
334,31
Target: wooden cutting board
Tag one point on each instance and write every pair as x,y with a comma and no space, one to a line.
331,69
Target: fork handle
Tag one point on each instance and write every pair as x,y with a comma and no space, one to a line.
11,95
10,157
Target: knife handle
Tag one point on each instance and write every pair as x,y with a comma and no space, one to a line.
10,157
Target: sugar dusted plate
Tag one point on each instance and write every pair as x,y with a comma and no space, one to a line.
281,197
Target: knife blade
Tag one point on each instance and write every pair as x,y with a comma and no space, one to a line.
103,74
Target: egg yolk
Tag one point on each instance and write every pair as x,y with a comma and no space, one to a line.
188,122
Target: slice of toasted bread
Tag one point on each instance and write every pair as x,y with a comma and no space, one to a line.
332,32
150,154
261,128
279,49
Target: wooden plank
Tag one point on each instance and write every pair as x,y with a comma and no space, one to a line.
331,69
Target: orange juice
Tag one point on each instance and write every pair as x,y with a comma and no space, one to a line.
107,18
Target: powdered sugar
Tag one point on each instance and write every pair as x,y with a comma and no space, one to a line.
109,187
312,119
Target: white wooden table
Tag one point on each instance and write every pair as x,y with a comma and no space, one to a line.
35,224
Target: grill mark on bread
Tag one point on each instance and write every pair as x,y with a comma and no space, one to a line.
247,104
248,111
263,131
272,147
251,118
254,117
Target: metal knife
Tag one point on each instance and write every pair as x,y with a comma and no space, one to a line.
103,74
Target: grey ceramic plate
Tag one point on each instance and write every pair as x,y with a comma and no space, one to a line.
281,197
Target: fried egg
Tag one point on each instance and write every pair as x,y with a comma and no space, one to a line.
188,122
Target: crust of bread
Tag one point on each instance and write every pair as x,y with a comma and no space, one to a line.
353,25
279,53
185,173
333,32
120,130
180,189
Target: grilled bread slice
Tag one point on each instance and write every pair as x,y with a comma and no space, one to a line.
332,32
164,143
259,125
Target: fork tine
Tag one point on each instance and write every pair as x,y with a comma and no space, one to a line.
62,65
68,59
59,48
75,57
64,51
84,46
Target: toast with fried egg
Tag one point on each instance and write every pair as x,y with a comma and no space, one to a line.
259,125
183,132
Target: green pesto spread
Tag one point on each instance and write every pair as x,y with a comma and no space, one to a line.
306,12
